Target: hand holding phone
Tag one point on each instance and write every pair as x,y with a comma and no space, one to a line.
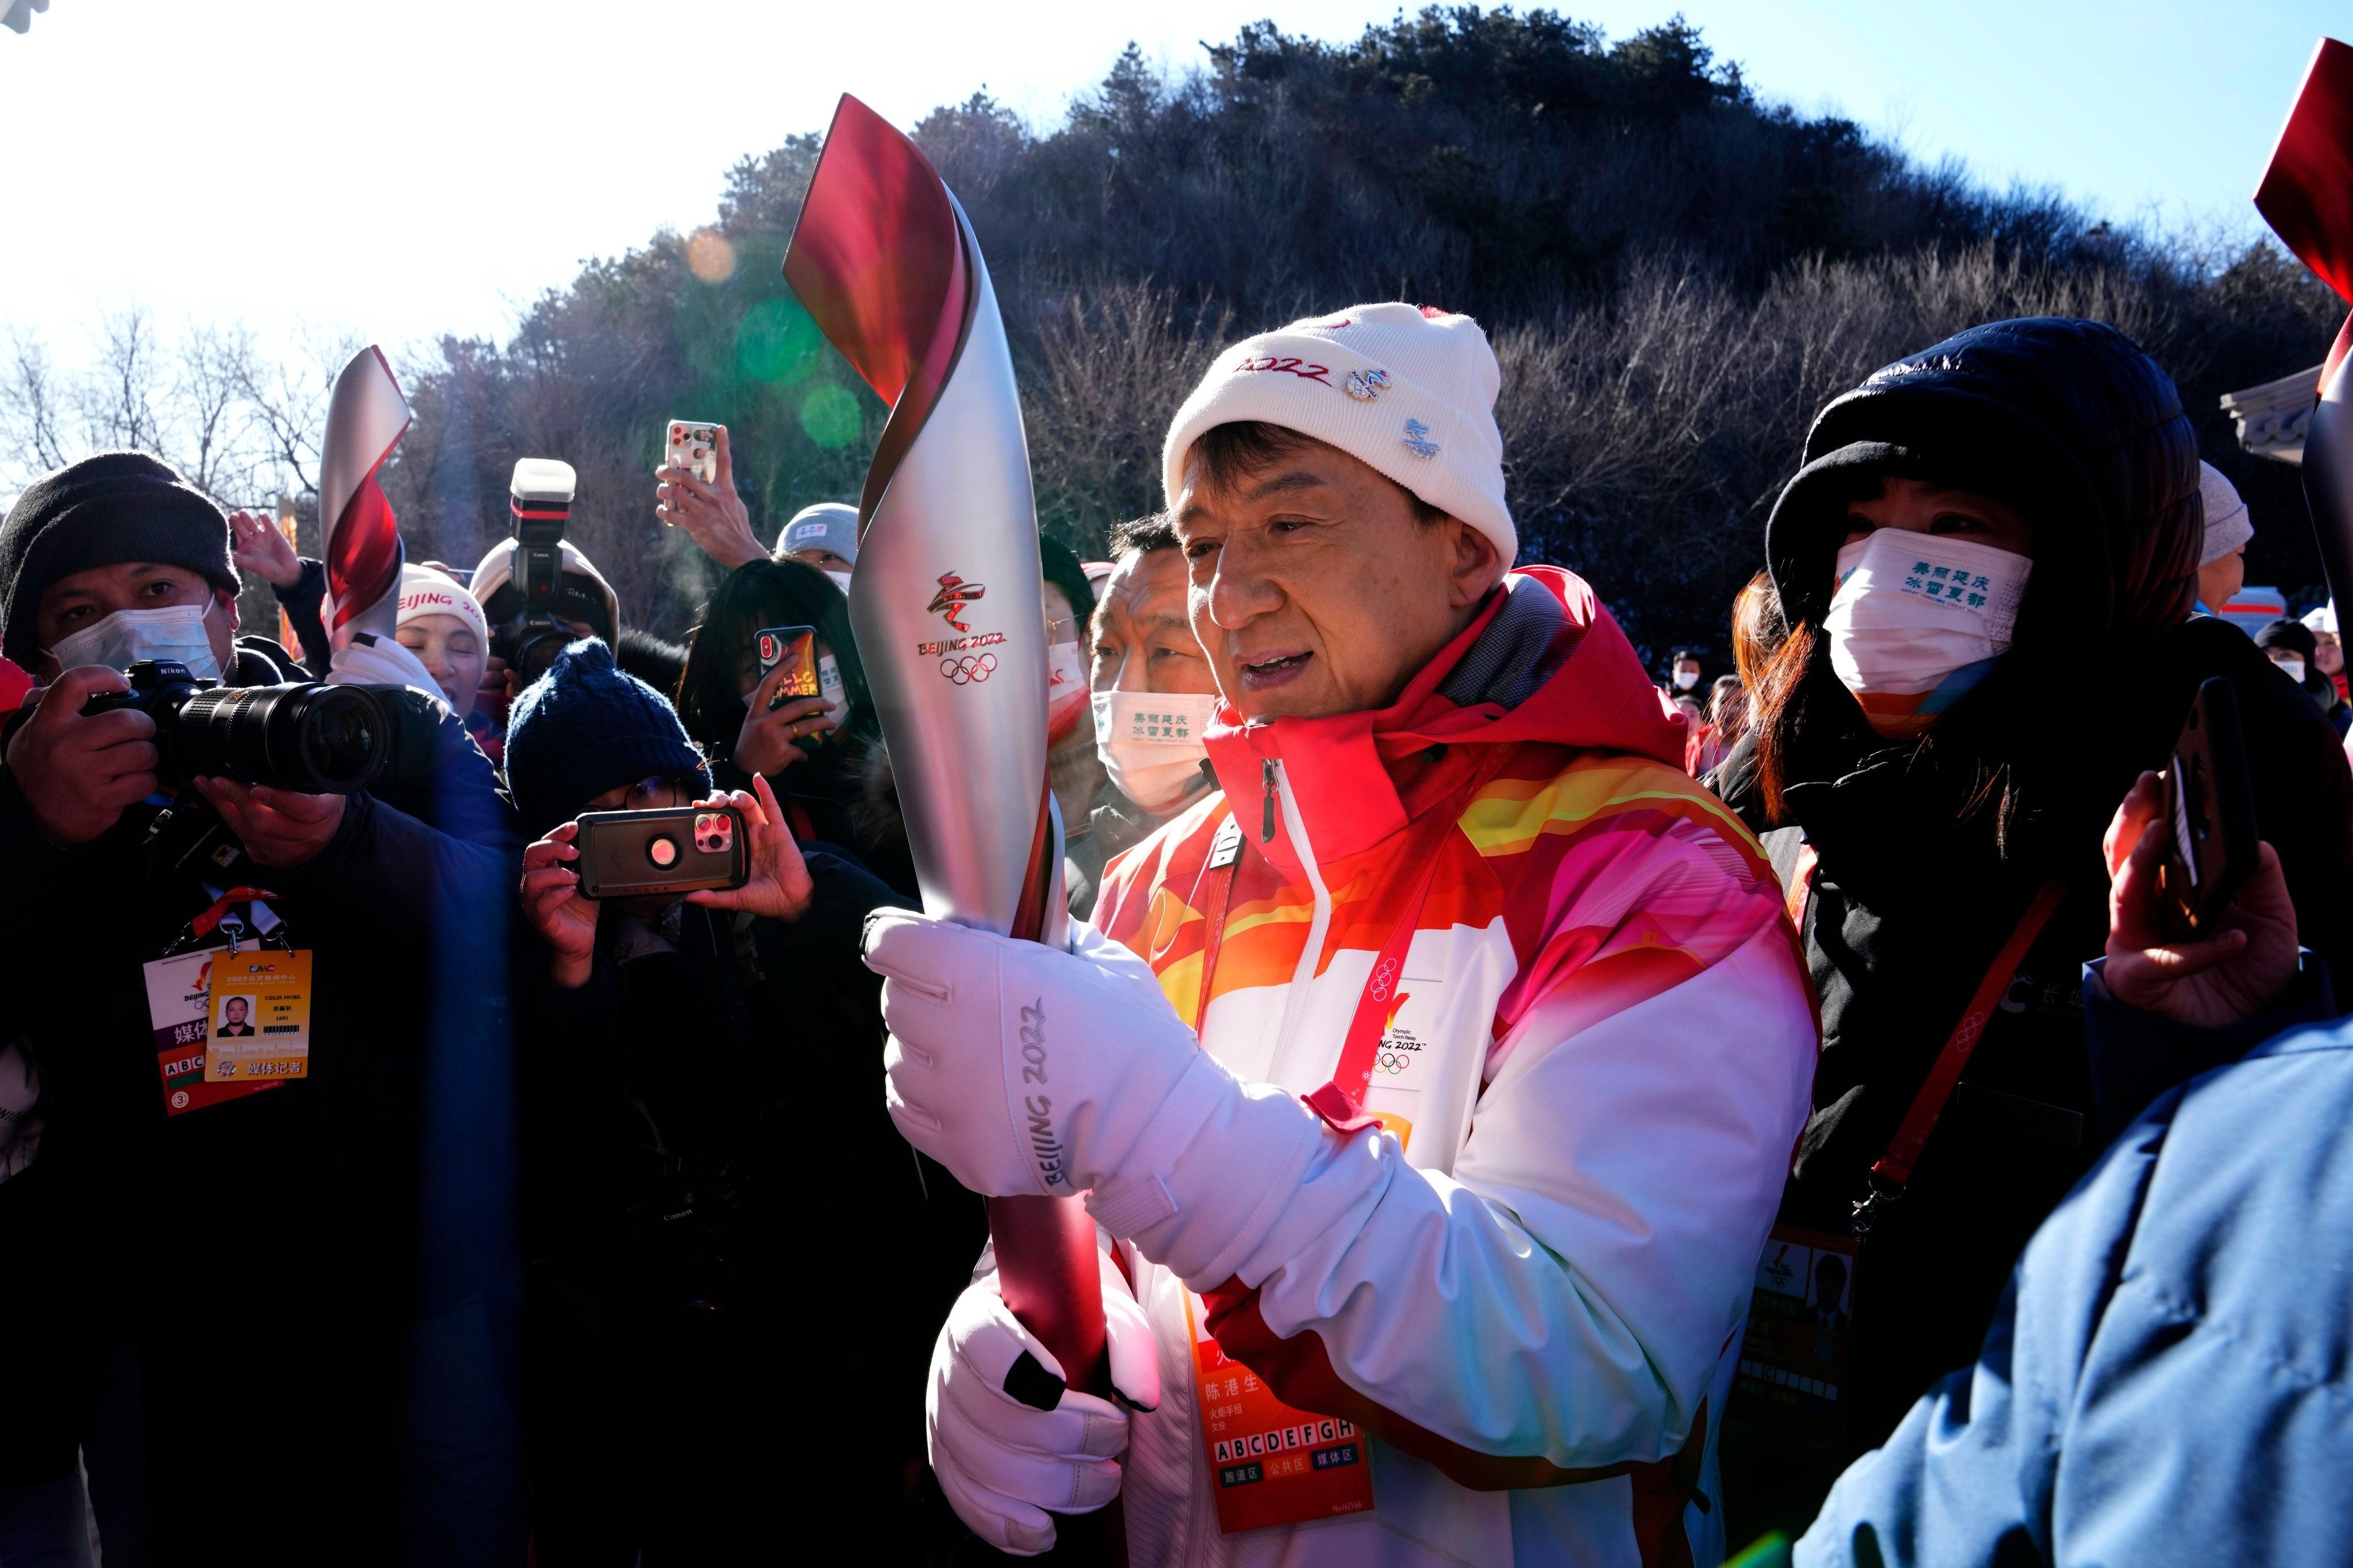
670,849
794,650
2247,957
2209,811
693,447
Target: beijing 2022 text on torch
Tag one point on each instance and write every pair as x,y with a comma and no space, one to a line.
948,603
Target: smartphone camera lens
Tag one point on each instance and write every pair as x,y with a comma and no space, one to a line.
662,850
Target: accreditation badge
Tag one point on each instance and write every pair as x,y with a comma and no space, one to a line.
259,1013
1271,1464
1793,1353
179,1012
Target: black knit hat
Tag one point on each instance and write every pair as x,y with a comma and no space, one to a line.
585,727
102,511
2291,635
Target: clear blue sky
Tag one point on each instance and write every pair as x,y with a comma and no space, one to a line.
404,170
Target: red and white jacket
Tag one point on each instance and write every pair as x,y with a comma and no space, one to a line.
1528,1285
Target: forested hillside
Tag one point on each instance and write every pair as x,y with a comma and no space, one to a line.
1676,273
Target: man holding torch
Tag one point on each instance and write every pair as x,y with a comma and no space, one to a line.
1435,1079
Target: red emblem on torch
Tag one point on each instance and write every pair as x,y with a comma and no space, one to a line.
954,595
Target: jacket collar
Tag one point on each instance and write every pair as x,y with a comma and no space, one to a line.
1555,669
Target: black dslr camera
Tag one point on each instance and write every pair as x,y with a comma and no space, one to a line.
308,738
540,496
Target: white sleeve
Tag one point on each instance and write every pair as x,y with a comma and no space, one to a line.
1561,1300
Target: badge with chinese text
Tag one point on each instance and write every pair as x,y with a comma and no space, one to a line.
1271,1464
260,1016
180,1011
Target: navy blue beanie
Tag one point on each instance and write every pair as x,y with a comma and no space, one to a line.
102,511
584,728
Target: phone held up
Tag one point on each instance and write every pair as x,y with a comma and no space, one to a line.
675,849
2210,844
795,647
694,447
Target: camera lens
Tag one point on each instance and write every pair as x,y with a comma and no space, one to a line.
314,739
662,851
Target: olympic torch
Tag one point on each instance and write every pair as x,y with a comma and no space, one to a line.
366,418
2306,195
948,603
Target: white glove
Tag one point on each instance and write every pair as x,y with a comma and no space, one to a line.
1020,1067
1005,1458
380,661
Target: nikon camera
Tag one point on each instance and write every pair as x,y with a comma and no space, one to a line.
309,738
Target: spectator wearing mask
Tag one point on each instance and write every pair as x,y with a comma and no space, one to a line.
1506,1264
1154,695
2160,1383
2222,549
824,536
1684,675
1942,799
2294,652
2328,650
817,752
685,1064
1705,749
316,1311
1072,767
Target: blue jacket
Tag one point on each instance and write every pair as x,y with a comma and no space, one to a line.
2169,1377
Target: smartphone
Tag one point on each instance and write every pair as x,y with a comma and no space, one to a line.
795,647
2210,809
695,449
677,850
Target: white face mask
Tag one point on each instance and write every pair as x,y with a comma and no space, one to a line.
840,580
1150,743
1917,620
1686,680
126,637
2293,667
828,686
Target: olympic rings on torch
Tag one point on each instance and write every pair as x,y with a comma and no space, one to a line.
972,670
1392,1062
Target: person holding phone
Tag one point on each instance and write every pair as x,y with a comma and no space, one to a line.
816,750
1964,520
683,1063
2190,1368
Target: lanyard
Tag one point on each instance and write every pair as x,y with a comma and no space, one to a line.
1893,1172
1341,1101
216,916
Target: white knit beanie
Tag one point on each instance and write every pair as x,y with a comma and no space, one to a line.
1409,390
424,592
2228,526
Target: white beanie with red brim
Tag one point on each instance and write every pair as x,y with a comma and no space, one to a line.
1409,390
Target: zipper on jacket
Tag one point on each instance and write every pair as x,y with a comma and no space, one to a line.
1266,818
1311,955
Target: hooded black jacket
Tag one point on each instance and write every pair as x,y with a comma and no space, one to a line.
1929,854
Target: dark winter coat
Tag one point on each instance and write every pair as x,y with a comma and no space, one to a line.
303,1211
1924,868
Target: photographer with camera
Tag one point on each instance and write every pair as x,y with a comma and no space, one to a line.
685,1063
307,1331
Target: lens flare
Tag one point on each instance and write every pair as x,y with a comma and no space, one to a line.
709,256
829,416
776,343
